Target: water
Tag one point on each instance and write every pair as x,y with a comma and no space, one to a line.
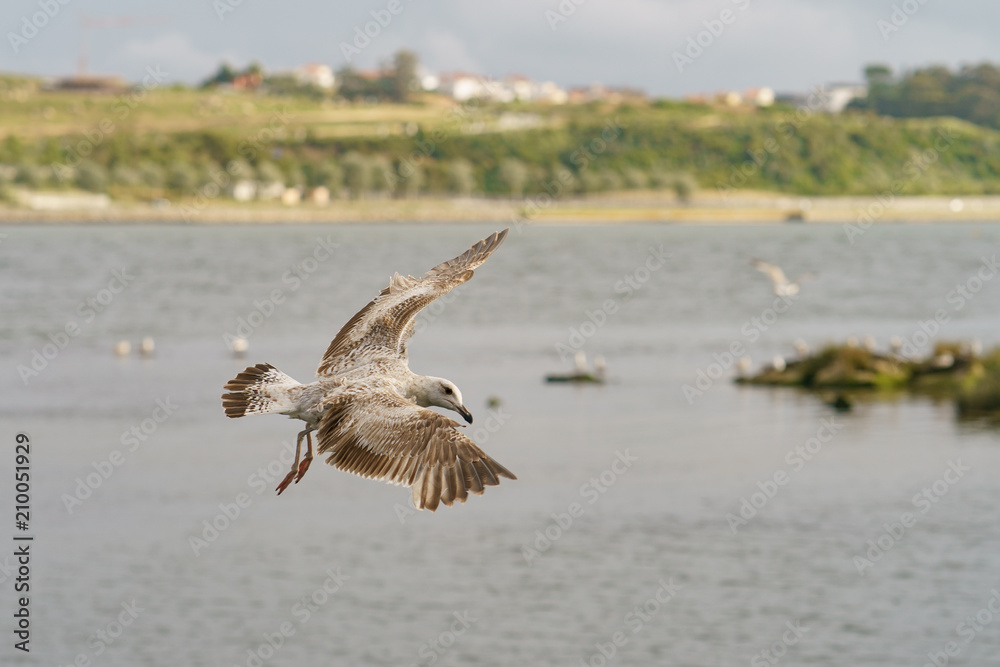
456,587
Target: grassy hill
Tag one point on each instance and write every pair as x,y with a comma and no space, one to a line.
141,145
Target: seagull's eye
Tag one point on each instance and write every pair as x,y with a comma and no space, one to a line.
447,390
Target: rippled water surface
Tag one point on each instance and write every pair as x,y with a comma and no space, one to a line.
623,491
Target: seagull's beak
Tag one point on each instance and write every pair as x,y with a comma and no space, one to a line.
464,411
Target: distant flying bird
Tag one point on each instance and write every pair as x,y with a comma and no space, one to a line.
781,284
369,409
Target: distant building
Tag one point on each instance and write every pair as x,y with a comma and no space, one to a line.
247,81
839,95
760,97
315,74
833,98
462,86
91,83
548,91
598,92
729,98
518,87
428,80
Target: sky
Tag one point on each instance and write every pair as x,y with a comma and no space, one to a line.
666,47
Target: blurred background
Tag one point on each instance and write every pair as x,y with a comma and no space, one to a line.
740,346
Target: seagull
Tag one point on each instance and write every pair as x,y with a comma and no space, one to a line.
600,367
782,285
146,346
122,348
369,410
239,345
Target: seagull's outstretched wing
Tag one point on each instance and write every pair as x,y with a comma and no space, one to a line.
380,435
773,272
382,328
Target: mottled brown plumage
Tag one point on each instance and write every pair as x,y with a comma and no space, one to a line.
369,409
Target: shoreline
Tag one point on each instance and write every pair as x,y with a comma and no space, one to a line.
608,209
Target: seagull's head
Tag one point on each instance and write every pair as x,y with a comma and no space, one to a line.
444,394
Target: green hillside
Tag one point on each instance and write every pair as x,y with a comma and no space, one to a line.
166,142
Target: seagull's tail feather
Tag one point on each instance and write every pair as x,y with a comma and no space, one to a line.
258,390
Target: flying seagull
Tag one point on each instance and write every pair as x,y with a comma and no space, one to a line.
369,409
782,285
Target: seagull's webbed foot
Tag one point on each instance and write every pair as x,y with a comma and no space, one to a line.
285,482
306,460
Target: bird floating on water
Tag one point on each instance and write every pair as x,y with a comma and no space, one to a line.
122,348
581,373
781,285
369,409
146,347
239,345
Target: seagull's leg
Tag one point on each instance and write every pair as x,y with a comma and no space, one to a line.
295,465
308,458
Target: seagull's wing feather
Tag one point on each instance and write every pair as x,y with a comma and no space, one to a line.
773,272
380,435
382,328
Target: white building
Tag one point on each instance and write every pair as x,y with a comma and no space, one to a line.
317,74
838,95
462,86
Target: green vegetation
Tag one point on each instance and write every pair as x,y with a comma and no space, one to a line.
175,142
952,371
971,93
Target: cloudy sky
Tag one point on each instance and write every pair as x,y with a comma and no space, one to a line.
788,45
